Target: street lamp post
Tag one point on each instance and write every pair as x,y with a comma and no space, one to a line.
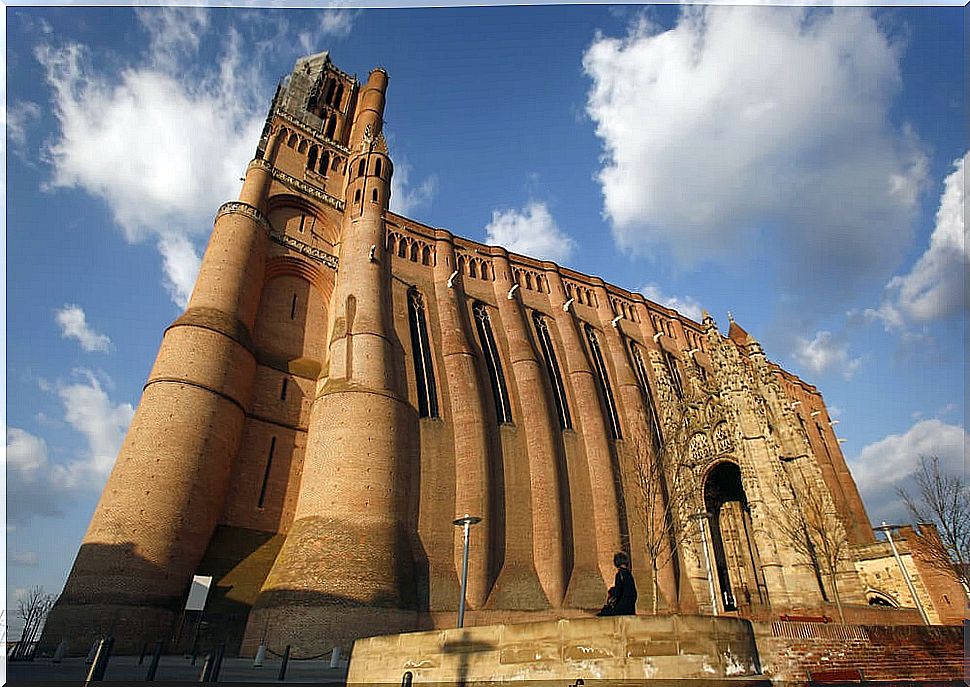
465,522
702,518
902,568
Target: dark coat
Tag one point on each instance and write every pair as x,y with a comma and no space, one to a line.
622,595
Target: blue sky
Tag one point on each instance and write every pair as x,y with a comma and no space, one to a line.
800,168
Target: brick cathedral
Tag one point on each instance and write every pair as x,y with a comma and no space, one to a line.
346,381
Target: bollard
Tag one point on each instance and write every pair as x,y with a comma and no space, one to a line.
100,664
153,666
286,659
60,652
217,665
335,657
260,656
141,656
406,679
94,649
206,668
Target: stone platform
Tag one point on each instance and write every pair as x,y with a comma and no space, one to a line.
708,650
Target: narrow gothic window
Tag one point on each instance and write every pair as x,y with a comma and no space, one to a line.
361,168
377,167
421,350
311,159
641,370
604,382
269,465
674,373
373,195
283,389
503,410
331,127
324,162
552,366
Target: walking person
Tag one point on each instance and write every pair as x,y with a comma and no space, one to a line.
622,596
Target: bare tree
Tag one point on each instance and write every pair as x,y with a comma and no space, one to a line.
943,499
664,483
813,529
33,608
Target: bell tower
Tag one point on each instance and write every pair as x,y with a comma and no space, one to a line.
346,564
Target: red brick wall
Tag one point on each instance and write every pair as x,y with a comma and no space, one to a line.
789,651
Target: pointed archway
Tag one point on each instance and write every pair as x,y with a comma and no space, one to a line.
737,566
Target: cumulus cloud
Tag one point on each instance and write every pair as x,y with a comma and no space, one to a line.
531,231
890,462
74,325
406,198
38,485
744,127
159,141
936,286
685,305
824,354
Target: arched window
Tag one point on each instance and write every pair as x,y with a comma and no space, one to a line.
328,97
311,160
503,410
377,167
640,368
331,127
599,366
426,256
402,248
361,167
473,268
552,367
357,196
338,96
373,195
293,141
421,351
302,147
414,251
324,162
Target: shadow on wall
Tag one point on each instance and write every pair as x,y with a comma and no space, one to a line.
113,590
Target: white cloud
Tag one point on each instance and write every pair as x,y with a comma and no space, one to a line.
29,488
532,232
103,423
685,305
746,127
73,324
334,23
23,559
890,462
825,354
162,143
936,286
37,485
19,116
404,198
181,263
